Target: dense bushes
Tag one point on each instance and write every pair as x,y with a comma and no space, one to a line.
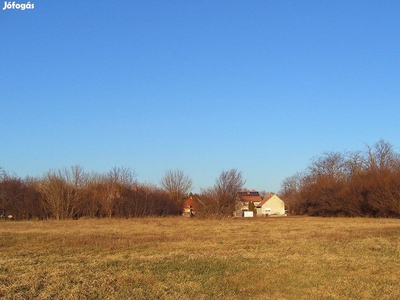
363,183
72,193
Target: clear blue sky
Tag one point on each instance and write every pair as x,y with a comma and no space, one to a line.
201,86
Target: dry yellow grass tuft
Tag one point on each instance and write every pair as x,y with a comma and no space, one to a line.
180,258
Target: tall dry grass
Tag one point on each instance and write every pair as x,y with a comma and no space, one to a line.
180,258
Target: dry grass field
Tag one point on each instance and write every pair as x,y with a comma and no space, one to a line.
181,258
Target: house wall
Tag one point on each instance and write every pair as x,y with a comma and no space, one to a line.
244,206
275,205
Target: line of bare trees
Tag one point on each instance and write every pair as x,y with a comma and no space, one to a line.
360,183
73,193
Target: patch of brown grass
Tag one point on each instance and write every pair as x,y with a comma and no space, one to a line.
180,258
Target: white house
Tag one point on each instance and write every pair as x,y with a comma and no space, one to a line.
271,205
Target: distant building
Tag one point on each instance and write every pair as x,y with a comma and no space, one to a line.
189,207
247,201
271,205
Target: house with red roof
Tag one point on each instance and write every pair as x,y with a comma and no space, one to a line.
247,201
189,207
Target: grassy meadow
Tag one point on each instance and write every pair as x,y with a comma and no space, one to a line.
182,258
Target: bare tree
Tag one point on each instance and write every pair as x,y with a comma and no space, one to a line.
290,191
112,193
354,164
123,176
382,157
55,196
178,185
331,164
220,200
62,191
229,183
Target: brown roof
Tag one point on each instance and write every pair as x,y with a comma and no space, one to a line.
249,196
189,203
269,196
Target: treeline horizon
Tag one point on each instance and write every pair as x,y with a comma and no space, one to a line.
354,184
72,193
363,183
